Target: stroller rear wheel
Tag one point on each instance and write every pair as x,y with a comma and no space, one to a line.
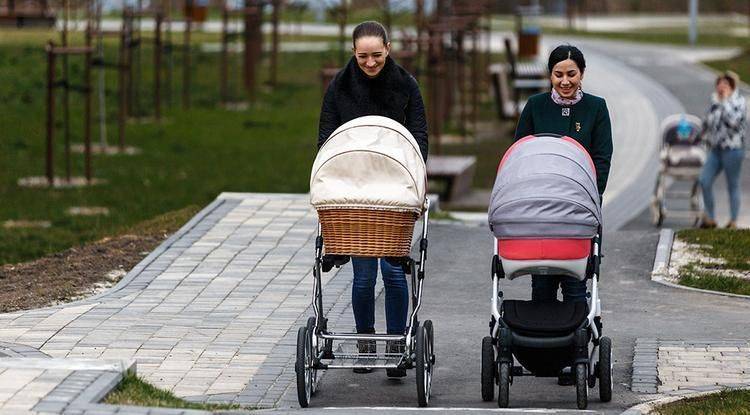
605,369
582,387
314,351
423,365
303,367
503,393
488,369
431,337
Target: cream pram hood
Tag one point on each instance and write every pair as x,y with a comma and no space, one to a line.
370,162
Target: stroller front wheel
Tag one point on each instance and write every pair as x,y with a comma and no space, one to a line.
582,386
423,365
303,367
503,393
605,369
488,369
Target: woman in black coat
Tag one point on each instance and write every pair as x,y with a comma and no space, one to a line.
373,84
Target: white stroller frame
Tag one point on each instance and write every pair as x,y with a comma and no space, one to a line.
684,173
315,343
497,349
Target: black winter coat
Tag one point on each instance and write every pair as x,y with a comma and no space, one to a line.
394,93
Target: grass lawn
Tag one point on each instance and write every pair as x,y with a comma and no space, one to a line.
732,247
735,402
188,159
669,36
739,64
134,391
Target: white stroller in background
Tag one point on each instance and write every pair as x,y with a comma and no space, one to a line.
545,215
682,156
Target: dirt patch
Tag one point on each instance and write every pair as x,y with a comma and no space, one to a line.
85,270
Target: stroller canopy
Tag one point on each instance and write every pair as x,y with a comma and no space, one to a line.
545,188
370,162
681,129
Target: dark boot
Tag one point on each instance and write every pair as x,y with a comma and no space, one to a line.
395,346
366,346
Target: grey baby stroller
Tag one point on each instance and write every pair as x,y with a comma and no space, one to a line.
682,156
546,219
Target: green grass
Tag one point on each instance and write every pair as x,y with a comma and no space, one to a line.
730,245
739,64
734,402
707,37
188,159
692,276
134,391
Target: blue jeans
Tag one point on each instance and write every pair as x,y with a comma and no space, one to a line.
544,288
731,162
363,295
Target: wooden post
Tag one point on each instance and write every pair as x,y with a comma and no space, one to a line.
186,64
128,22
461,80
419,17
157,66
251,41
49,167
136,63
122,78
87,105
224,62
341,14
277,4
66,89
169,49
387,15
476,79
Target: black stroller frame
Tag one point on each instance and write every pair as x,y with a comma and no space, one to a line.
499,347
315,343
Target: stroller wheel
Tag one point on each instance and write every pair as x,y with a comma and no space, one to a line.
657,213
303,367
503,393
431,338
582,387
488,369
605,369
314,351
423,365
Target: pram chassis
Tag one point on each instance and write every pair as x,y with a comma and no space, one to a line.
315,342
498,347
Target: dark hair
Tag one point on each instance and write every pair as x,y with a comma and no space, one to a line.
730,77
564,52
370,28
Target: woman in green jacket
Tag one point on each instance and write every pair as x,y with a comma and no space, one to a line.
567,110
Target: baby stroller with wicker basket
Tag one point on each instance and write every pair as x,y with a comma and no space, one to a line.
681,159
545,215
368,185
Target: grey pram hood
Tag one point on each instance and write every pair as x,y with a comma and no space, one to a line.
545,188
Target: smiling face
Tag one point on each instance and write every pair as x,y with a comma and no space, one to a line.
566,78
723,88
371,52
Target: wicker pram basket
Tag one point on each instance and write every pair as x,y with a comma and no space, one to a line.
368,184
367,232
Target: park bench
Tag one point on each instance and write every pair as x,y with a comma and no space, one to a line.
457,172
513,80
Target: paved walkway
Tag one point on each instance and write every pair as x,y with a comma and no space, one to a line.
207,315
